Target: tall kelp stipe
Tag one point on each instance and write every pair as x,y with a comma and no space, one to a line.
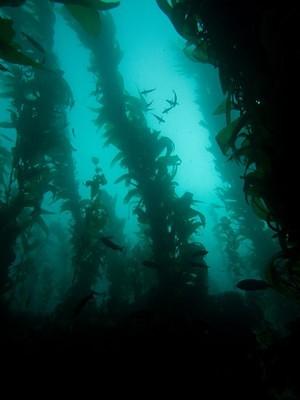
42,156
41,168
243,43
152,166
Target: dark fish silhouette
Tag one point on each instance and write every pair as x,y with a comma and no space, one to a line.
173,103
166,110
148,105
159,119
109,243
147,91
252,284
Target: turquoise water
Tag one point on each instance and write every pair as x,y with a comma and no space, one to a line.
152,58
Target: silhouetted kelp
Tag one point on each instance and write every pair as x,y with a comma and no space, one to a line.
42,155
149,158
243,42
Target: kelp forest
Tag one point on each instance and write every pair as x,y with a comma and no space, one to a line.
149,207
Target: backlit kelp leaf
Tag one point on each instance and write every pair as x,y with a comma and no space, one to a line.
227,136
243,152
126,177
197,54
221,109
200,53
117,158
88,18
260,208
132,193
12,54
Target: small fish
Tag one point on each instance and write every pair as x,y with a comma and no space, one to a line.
34,43
166,110
147,91
173,103
109,243
159,119
252,284
150,264
148,105
73,132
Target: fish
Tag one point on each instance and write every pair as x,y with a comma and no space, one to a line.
150,264
109,243
252,284
166,110
73,132
34,43
173,103
159,119
148,105
147,91
145,106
